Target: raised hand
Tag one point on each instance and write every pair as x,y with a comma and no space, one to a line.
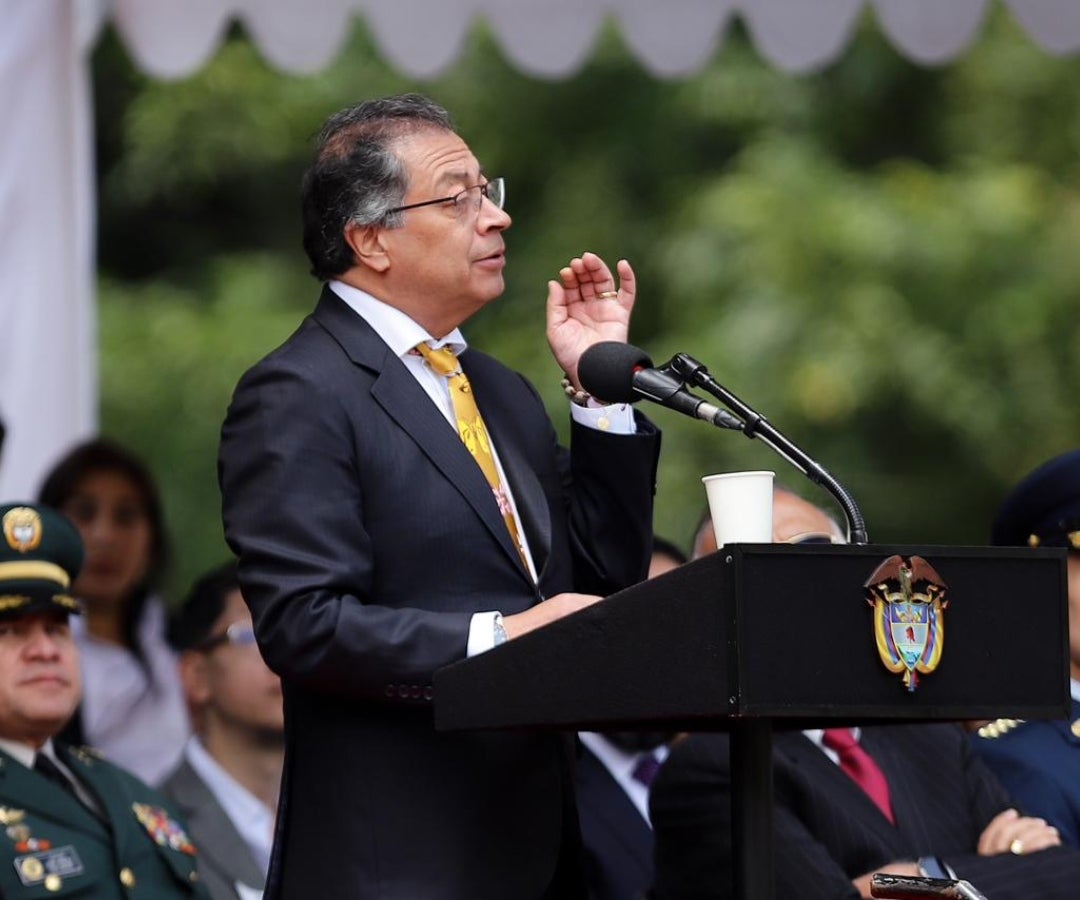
586,306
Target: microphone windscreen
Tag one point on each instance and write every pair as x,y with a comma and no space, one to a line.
606,370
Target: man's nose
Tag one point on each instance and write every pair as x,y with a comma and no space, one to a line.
42,645
491,216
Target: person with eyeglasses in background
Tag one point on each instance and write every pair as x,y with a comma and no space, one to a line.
1039,761
795,521
910,800
226,785
398,501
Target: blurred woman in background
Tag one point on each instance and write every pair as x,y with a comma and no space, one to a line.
133,708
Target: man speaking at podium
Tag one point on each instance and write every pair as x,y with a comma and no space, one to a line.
399,502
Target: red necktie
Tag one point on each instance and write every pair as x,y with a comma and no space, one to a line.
860,766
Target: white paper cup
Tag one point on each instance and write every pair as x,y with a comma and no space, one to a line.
740,504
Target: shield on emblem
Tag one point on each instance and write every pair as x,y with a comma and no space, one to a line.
908,598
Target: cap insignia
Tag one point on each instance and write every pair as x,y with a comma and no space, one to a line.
22,528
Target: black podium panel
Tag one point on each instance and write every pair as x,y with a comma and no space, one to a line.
646,652
777,632
809,651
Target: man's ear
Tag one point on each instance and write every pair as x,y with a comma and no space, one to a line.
368,246
194,678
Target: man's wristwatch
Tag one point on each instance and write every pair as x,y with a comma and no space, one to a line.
500,630
933,867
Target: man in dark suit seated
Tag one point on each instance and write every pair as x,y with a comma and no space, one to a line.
1038,762
73,824
614,773
226,785
929,806
398,502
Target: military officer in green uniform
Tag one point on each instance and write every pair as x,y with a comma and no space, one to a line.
71,824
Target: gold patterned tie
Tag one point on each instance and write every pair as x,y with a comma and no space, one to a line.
472,431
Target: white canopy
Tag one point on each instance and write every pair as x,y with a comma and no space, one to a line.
48,382
553,38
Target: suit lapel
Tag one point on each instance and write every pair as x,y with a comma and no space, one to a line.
403,400
23,788
113,800
218,842
804,754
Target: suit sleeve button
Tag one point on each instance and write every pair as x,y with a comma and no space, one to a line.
403,691
390,690
429,692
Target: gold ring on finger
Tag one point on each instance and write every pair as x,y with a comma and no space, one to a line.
1017,847
608,295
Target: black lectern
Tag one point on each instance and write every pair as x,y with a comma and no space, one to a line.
758,636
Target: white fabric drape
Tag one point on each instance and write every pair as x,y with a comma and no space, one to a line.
553,38
48,388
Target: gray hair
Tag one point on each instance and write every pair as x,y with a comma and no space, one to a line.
357,175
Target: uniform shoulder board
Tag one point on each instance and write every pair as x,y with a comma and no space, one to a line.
999,727
87,753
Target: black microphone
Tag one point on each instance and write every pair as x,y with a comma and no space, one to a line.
622,373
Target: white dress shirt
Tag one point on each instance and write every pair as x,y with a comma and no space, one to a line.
620,764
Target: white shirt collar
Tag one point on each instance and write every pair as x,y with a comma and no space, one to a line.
817,735
1074,689
399,332
20,751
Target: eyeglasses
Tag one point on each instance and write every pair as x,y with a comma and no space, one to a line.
238,634
470,198
814,537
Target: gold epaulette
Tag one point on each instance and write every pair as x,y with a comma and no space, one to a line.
999,727
87,754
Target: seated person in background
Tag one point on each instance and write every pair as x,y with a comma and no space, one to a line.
794,522
227,784
665,556
74,824
935,810
612,776
132,707
1039,762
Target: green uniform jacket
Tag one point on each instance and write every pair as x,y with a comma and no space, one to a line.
51,845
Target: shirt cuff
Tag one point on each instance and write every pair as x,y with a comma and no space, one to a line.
481,633
615,419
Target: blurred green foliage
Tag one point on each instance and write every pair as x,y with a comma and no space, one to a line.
880,257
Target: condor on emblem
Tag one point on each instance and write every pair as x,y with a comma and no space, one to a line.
908,599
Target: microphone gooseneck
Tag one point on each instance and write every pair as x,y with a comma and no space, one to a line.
754,425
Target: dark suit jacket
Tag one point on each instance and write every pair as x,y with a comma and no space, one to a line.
829,832
367,537
618,841
224,858
90,855
1039,765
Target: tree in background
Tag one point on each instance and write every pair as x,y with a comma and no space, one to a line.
881,258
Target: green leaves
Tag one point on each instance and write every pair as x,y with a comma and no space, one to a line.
882,259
